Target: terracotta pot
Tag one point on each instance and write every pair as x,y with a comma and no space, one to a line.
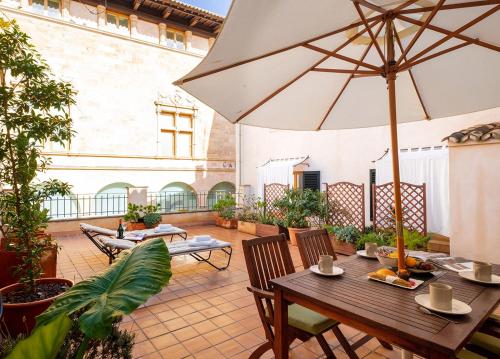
264,230
9,261
293,232
226,223
247,227
343,247
135,226
20,317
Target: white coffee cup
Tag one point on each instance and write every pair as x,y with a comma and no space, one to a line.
482,271
370,249
441,296
325,264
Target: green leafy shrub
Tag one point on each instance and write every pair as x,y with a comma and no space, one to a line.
348,234
300,208
148,214
413,240
226,207
382,239
152,219
248,212
133,213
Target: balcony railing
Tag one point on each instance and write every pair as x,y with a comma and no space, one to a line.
114,204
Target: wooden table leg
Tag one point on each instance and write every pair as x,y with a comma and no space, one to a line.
405,354
280,325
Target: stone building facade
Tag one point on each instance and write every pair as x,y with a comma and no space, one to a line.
133,127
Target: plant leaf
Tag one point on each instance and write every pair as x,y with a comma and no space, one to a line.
44,342
129,282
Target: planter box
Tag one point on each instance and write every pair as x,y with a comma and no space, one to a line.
343,247
135,226
9,261
293,232
226,223
264,230
247,227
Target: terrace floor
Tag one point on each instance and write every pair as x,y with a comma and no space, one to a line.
202,313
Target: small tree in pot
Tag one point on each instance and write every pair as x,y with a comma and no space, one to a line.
226,210
34,109
300,208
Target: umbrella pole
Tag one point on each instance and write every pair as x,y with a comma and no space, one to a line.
391,86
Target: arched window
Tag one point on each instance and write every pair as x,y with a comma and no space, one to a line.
219,191
111,199
177,196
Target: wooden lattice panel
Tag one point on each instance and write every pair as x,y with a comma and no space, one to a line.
413,203
346,204
273,192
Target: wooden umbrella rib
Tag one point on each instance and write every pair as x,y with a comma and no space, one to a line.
374,40
367,50
289,83
404,5
275,52
450,6
419,32
369,5
400,45
346,71
342,57
406,66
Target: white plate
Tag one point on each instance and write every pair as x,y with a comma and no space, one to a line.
417,283
470,276
335,271
457,307
362,253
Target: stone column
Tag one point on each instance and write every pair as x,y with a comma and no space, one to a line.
162,28
211,41
65,9
101,16
133,25
188,37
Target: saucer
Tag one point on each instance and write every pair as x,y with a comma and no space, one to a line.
469,275
457,307
362,253
335,271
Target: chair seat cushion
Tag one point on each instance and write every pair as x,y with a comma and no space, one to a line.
465,354
116,243
488,342
308,320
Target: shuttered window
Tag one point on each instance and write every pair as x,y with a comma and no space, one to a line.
373,175
311,179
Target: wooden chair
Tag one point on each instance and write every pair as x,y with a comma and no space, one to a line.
311,245
268,258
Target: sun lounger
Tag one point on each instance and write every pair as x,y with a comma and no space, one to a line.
105,240
153,233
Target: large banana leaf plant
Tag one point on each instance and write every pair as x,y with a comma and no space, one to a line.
129,282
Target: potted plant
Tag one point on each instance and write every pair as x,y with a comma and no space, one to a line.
134,218
248,215
151,215
344,238
226,210
266,222
34,109
300,208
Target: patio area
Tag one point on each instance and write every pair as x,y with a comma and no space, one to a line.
202,312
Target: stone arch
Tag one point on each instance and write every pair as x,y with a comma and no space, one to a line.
218,191
110,200
178,197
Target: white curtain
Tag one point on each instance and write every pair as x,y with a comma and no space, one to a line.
276,171
424,166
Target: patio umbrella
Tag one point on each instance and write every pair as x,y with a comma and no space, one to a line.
337,64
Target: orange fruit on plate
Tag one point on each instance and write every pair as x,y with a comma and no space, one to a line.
411,262
385,271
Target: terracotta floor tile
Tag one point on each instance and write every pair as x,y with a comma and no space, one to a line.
155,330
209,353
153,355
194,318
174,352
248,340
184,310
197,344
143,348
164,341
230,348
235,329
185,333
216,337
166,315
148,321
176,324
204,327
210,312
222,320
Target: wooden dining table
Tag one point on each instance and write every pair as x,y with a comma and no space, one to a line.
384,311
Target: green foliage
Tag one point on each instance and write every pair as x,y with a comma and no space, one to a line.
44,342
248,212
413,240
348,234
137,213
151,219
263,216
300,208
382,239
128,283
34,109
226,207
133,213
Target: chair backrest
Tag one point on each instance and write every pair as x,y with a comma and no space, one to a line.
312,244
267,258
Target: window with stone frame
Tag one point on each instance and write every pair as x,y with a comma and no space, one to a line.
176,134
175,39
48,7
117,21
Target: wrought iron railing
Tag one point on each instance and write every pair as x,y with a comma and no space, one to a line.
113,204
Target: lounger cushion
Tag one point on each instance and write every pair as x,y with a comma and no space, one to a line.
115,243
465,354
96,229
487,342
308,320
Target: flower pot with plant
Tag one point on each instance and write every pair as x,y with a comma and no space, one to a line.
141,217
300,208
344,238
34,109
266,224
151,215
226,212
247,216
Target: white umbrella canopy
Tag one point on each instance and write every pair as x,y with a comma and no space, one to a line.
336,64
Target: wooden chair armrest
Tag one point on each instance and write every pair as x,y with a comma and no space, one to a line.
261,293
